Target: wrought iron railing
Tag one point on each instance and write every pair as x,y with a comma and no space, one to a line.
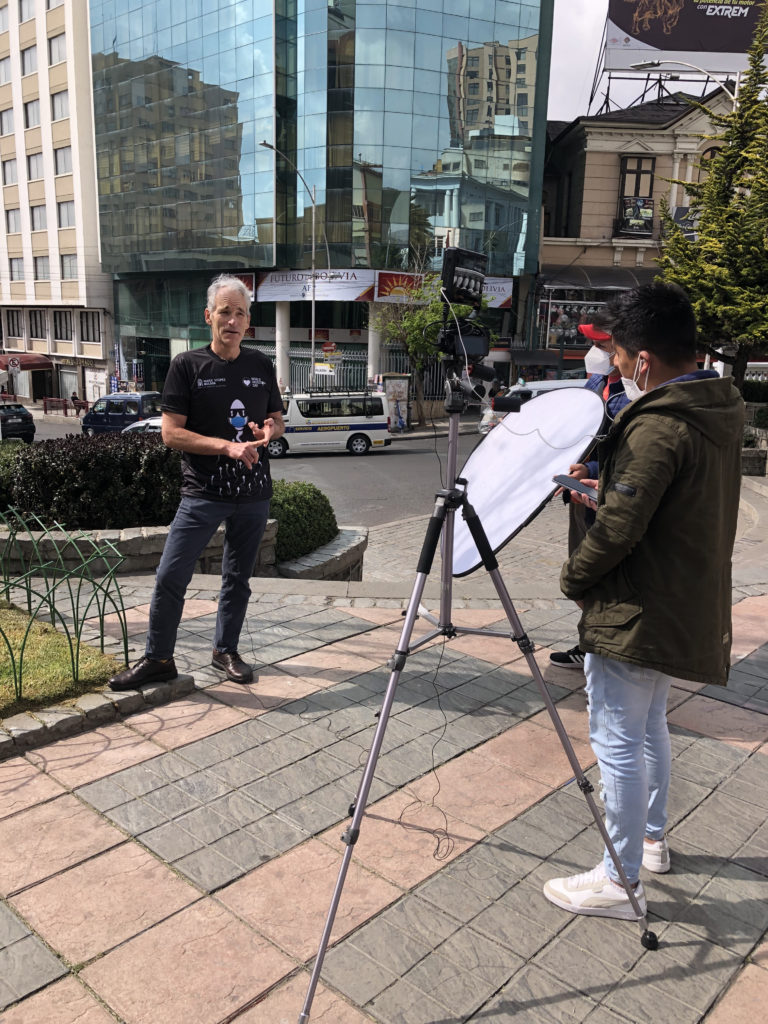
60,577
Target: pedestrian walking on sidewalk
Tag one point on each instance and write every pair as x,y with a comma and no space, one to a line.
221,406
652,577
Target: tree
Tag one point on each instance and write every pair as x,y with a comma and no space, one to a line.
724,268
414,323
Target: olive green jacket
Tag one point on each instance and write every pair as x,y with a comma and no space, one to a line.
654,571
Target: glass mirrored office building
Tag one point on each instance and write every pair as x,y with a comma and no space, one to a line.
413,124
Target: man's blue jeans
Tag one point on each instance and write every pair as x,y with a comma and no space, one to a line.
196,521
629,734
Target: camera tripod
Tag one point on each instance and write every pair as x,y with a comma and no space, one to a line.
447,502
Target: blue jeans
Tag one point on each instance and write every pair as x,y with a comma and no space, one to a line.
196,521
629,734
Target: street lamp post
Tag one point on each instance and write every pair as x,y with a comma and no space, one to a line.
647,65
311,194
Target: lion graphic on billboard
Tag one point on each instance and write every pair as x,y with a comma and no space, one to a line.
649,10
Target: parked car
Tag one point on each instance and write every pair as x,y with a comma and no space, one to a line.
151,426
490,418
16,422
114,413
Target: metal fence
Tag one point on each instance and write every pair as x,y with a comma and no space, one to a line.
351,372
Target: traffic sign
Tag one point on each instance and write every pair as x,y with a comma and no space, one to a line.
329,346
14,363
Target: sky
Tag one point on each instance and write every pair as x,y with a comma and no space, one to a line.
578,32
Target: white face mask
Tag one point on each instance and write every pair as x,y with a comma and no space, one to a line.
632,387
597,361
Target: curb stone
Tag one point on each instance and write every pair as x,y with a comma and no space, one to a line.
33,729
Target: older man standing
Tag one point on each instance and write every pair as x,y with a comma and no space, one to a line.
221,406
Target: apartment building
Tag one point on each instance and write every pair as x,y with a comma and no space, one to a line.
55,302
604,182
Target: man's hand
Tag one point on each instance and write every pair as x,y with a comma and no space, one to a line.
263,435
578,470
582,499
247,452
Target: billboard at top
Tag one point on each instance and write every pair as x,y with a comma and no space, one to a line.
714,36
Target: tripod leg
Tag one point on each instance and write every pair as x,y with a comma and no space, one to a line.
648,938
352,832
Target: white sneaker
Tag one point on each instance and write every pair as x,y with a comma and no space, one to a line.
656,855
594,893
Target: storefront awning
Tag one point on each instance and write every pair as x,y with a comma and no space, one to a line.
597,278
27,361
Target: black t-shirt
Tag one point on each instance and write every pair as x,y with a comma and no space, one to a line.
219,399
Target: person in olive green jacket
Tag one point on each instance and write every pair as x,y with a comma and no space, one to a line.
652,577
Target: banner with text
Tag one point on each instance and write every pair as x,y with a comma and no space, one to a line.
715,36
330,286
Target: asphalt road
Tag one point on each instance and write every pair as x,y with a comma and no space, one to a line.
385,485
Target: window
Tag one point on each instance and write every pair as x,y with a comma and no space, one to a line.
12,221
89,326
66,213
42,268
6,121
16,268
68,266
637,176
34,166
32,114
57,49
480,165
4,18
60,105
38,217
476,215
38,323
9,172
29,60
63,160
5,70
54,3
26,10
15,323
62,324
635,195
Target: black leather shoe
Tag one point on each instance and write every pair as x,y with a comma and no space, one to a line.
231,663
143,673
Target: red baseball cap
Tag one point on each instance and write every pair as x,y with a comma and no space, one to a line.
593,333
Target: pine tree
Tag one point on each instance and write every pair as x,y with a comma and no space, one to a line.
724,268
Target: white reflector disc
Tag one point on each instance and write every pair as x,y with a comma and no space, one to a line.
509,474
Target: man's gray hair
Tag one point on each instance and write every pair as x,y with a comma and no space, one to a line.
227,281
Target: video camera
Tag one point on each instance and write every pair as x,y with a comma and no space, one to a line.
465,342
462,280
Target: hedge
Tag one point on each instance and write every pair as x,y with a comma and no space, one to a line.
305,519
107,482
116,481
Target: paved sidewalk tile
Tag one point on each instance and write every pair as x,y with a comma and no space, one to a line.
92,755
66,1002
732,725
48,838
283,1005
26,966
96,905
182,721
200,965
23,785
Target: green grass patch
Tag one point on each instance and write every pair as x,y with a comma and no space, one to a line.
47,669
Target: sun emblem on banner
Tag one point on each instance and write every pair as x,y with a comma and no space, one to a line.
398,286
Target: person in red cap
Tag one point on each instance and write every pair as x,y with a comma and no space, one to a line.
605,379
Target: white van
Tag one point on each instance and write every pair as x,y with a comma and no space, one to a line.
322,421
